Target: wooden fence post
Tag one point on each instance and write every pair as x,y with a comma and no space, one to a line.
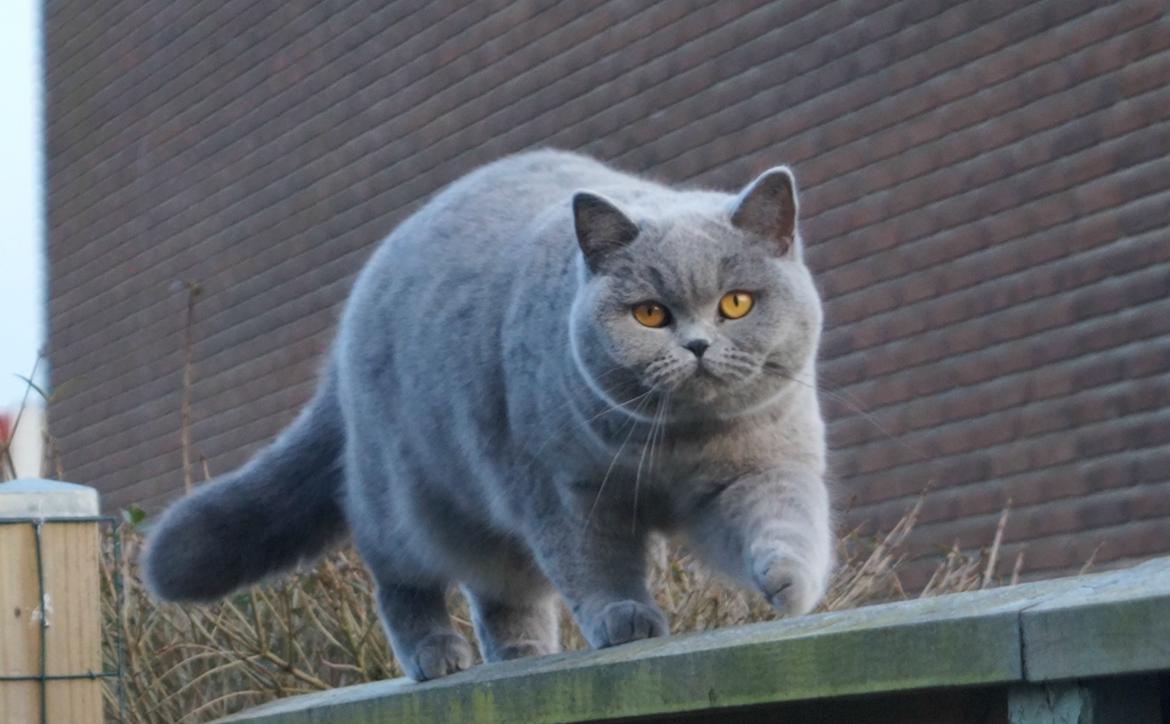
50,603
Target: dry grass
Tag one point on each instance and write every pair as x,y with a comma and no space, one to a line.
317,629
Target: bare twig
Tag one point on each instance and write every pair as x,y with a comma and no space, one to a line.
993,555
193,292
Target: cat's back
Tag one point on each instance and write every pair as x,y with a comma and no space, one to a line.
509,195
441,284
504,224
546,173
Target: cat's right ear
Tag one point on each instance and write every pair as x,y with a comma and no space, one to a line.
767,209
601,227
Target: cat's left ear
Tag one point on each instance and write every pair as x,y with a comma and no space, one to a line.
767,208
601,227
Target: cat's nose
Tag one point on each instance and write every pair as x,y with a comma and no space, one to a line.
697,346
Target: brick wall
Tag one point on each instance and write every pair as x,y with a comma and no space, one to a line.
985,191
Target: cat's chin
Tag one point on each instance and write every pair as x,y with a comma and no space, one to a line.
705,397
704,387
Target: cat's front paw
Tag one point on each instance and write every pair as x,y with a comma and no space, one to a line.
620,622
786,581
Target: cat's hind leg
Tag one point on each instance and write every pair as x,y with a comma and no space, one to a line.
425,643
602,575
411,586
515,626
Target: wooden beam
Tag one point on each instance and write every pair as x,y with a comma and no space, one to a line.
960,655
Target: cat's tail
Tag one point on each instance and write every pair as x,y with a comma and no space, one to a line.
283,506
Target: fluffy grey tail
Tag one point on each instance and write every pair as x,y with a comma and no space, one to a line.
281,507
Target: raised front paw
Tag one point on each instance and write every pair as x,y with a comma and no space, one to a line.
620,622
788,583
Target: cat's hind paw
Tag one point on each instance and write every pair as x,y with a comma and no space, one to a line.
624,621
524,650
440,654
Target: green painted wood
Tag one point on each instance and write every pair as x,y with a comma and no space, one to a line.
1114,623
995,637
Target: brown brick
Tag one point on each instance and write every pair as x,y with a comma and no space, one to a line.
985,194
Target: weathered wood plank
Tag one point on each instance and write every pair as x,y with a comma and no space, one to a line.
946,641
1113,623
950,643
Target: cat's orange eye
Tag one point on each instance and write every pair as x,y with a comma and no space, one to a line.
734,305
651,314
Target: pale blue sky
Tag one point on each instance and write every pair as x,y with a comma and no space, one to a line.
21,207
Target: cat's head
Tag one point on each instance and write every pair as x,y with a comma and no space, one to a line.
696,297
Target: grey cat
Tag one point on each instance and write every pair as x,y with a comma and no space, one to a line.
529,380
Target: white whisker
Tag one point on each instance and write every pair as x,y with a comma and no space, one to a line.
655,426
609,470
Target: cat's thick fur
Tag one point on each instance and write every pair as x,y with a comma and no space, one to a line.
493,416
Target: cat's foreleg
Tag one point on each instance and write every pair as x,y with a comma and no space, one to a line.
602,575
772,531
